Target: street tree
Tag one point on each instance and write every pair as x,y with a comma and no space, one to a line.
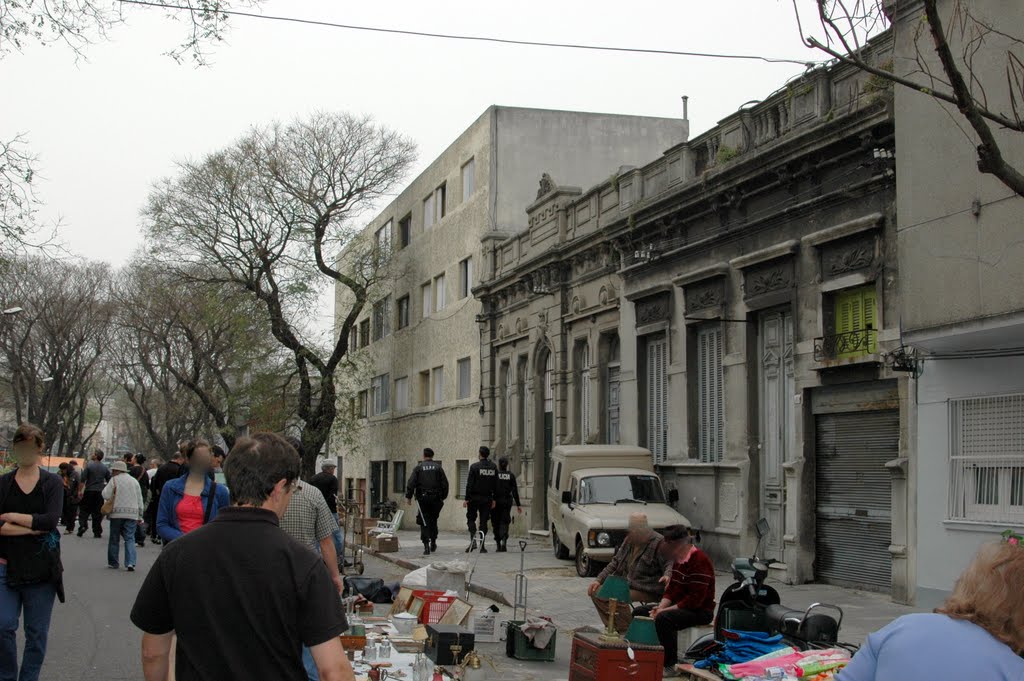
52,349
276,214
213,338
964,41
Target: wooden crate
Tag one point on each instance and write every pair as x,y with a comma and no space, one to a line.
595,660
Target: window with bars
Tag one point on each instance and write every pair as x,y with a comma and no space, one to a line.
461,477
710,402
986,462
380,398
657,397
465,378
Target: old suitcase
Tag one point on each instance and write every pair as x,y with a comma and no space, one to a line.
441,638
596,660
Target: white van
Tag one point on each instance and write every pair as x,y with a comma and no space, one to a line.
592,490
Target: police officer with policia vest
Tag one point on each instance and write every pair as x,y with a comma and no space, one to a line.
480,489
506,493
430,486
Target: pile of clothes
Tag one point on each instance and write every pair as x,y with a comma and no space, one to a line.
753,655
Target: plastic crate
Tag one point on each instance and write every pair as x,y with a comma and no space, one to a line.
519,647
486,628
434,608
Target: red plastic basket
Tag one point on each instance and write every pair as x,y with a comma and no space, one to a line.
434,608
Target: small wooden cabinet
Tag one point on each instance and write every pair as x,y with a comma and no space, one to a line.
596,660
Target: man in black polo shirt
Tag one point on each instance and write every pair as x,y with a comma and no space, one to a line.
241,595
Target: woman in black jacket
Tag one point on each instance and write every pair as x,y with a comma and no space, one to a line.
31,501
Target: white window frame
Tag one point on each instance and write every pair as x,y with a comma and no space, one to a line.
439,293
437,385
382,242
657,397
468,179
381,319
402,393
710,394
465,277
428,211
464,374
427,297
986,459
398,312
380,398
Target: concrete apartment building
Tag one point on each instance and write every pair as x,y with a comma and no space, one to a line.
419,341
961,262
729,305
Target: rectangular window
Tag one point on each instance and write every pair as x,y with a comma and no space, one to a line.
402,393
583,394
353,338
424,388
428,212
362,404
403,312
439,293
405,231
465,277
710,403
468,179
382,242
465,377
440,202
428,299
856,322
437,384
986,477
381,318
399,477
380,399
657,397
461,477
364,333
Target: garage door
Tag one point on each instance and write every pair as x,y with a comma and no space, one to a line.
854,507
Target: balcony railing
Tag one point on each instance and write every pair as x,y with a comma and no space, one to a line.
846,345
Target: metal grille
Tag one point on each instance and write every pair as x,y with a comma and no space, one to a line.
986,463
854,497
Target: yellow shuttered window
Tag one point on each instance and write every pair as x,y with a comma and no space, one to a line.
856,322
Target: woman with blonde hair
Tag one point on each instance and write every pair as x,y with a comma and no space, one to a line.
978,633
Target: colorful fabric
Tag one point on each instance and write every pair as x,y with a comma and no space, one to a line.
742,646
799,663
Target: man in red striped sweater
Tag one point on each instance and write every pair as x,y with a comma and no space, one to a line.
689,598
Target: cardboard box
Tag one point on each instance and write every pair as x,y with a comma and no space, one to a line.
385,544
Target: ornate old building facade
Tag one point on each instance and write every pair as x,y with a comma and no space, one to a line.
731,306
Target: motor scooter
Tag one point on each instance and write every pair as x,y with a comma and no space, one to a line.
751,605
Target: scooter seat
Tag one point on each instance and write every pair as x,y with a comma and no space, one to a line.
783,619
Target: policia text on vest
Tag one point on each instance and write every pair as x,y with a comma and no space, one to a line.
429,485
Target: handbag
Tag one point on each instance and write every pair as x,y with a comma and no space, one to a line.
108,506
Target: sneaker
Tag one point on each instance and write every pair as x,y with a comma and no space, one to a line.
130,568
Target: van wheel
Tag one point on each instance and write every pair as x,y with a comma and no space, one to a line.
560,550
585,567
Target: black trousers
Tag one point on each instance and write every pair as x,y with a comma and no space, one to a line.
150,516
430,509
70,513
670,623
90,507
502,515
478,507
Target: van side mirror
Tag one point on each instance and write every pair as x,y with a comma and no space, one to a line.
567,497
673,496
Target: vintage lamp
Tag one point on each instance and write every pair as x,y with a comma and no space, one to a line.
615,590
641,630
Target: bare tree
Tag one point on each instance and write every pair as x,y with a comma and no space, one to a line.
53,347
270,215
962,39
214,338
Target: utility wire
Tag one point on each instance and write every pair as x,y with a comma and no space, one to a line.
484,39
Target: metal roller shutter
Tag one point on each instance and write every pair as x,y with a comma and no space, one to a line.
854,506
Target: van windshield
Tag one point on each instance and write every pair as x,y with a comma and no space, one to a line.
622,489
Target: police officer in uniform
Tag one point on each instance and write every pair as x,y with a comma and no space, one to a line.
430,486
480,488
506,493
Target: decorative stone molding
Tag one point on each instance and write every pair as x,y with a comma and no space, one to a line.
654,309
547,185
849,255
841,231
776,275
705,295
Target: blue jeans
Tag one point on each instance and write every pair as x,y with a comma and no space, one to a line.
310,664
339,542
122,528
37,603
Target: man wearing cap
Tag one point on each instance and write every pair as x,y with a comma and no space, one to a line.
642,561
429,485
327,482
125,516
481,484
505,495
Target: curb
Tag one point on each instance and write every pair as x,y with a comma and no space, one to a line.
486,592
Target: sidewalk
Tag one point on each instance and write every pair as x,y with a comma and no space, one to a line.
556,591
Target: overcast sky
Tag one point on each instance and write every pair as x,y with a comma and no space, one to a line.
106,128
